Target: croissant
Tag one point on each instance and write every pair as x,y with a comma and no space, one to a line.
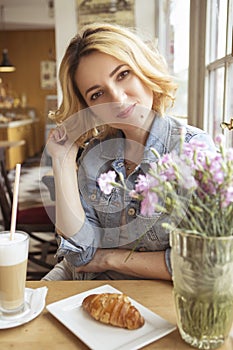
114,309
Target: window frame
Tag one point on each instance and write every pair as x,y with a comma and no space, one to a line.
200,77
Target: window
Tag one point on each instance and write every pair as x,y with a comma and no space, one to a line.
173,43
219,69
179,53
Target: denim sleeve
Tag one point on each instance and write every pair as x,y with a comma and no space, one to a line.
80,248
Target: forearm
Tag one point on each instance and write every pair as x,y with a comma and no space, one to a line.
149,265
69,211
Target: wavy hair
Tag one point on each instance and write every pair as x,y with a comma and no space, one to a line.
124,44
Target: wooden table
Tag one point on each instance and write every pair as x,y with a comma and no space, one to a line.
47,333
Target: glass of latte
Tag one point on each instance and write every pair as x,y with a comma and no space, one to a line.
13,270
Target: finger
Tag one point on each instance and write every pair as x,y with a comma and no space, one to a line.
58,135
61,134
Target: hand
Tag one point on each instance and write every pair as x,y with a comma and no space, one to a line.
59,145
98,263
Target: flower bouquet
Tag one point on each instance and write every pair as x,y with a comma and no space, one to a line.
195,189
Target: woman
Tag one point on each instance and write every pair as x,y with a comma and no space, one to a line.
116,90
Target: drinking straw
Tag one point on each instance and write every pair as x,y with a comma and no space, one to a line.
15,201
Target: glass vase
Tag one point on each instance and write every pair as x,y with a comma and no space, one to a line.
203,288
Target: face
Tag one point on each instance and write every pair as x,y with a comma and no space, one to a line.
113,92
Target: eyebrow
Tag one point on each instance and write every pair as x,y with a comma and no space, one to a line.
110,75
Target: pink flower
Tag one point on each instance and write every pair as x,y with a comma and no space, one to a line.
218,176
219,139
229,154
148,204
227,197
106,181
145,182
197,144
142,184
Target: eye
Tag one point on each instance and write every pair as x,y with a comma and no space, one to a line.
96,95
123,74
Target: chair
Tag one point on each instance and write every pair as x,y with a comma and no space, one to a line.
34,221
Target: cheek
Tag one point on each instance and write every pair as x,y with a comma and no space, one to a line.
147,99
102,113
144,93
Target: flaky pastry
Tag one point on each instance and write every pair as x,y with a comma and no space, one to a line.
114,309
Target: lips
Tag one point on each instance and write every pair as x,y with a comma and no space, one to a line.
126,112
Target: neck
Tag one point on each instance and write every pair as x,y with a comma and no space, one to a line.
138,133
138,137
134,150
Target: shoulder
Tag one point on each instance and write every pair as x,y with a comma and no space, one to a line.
190,132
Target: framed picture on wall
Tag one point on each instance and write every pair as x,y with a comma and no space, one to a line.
48,74
113,11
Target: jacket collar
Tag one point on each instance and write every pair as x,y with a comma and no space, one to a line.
159,138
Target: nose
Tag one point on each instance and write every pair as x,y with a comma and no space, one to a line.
117,95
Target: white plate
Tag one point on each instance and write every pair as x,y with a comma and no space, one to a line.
98,336
36,300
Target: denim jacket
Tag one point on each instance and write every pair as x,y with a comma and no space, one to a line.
103,224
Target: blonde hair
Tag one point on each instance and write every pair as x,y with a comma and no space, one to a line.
146,63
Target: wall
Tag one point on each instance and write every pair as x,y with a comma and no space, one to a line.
28,14
65,17
27,48
145,20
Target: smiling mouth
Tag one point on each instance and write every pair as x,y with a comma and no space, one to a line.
126,112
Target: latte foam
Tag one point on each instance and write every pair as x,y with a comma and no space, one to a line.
13,251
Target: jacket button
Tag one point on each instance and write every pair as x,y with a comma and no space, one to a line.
93,196
120,164
131,212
